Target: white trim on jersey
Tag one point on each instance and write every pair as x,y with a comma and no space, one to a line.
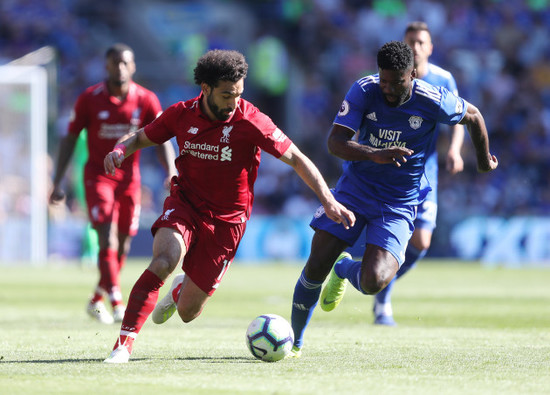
370,79
428,91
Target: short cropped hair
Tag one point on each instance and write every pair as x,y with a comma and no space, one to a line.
395,55
220,65
118,48
417,26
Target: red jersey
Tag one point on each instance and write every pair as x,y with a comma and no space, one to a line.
107,119
218,160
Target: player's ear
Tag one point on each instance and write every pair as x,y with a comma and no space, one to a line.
205,88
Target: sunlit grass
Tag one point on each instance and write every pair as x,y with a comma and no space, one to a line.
462,329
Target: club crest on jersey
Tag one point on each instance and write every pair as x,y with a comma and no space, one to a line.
415,122
225,134
167,214
344,109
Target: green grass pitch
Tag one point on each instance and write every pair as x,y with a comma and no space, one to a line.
462,329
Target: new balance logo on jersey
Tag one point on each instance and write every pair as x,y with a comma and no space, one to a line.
193,130
372,117
167,214
226,154
225,134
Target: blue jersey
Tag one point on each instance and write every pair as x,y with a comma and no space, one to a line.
411,125
437,77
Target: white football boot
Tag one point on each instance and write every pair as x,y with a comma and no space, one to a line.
118,313
167,305
118,355
98,312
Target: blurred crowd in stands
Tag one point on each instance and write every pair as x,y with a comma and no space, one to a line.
304,55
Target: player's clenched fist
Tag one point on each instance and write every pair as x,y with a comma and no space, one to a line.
114,159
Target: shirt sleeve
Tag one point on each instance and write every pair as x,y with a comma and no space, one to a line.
352,108
269,137
453,108
154,109
160,130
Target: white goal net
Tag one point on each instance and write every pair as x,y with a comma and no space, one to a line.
23,164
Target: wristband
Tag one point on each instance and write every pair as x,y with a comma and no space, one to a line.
121,148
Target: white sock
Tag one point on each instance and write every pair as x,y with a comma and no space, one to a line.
383,309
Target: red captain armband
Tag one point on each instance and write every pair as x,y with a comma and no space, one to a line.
120,148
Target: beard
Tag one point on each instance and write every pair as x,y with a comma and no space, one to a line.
398,100
221,115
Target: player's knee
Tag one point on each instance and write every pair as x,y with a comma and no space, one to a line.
188,313
372,285
423,244
421,240
162,265
374,281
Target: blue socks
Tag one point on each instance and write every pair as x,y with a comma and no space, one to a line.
350,269
412,255
306,292
306,296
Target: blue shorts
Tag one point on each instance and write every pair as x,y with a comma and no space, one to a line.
387,226
427,212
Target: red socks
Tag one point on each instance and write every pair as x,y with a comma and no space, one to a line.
108,275
141,302
121,262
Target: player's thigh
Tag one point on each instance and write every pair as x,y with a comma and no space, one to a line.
392,230
100,199
191,300
211,253
128,205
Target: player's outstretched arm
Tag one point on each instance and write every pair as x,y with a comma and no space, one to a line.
342,145
167,157
66,149
125,146
478,132
305,168
454,161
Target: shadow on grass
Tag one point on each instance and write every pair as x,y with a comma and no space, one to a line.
218,359
91,360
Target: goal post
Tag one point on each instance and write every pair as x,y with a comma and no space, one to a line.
23,164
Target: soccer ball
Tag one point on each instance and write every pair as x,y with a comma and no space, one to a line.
269,337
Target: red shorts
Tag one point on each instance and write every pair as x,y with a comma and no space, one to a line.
211,244
111,201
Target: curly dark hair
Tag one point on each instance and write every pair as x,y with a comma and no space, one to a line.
220,65
395,55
